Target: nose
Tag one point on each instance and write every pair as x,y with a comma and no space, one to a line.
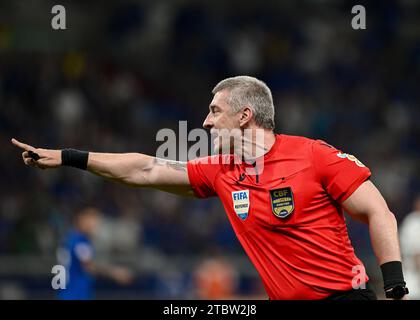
208,122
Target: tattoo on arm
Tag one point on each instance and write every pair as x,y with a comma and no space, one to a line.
177,165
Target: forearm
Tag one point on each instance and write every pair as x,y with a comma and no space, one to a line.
384,236
127,168
118,274
96,269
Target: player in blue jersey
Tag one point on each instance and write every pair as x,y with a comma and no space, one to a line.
76,254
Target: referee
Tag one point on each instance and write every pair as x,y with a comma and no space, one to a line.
285,206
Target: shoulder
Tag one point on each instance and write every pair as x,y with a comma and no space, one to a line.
316,152
285,138
299,141
300,145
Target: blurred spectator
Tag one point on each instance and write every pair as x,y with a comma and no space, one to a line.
216,278
410,249
77,256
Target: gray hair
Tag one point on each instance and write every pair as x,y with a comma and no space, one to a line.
249,91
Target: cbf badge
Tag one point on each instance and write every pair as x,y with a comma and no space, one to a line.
282,202
241,203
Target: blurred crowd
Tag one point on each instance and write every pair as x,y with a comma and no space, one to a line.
123,70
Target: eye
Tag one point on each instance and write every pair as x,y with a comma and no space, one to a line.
214,110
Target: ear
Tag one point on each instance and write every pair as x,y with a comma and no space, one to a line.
245,116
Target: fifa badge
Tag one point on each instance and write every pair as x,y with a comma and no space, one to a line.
241,203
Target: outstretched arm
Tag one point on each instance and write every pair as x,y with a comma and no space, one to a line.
118,274
132,169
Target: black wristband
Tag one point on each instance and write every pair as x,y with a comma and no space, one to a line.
392,274
74,158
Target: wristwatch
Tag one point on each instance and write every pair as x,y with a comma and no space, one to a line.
396,292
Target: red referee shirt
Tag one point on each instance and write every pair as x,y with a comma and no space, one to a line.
288,218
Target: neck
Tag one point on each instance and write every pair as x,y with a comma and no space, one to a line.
256,142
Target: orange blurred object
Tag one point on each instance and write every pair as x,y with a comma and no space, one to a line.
215,278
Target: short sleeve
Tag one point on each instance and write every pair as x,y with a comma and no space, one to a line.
83,251
340,173
202,174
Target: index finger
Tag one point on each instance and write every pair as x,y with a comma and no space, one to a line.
22,145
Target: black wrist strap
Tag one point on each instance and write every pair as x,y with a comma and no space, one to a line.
392,274
74,158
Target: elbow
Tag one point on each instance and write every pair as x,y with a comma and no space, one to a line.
139,178
392,217
386,215
389,215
